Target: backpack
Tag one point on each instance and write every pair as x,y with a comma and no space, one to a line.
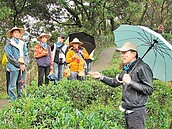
4,60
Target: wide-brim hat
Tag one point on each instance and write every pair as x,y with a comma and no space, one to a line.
48,36
127,47
22,31
76,41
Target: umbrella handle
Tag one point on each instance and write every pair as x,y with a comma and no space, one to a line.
138,61
21,73
152,45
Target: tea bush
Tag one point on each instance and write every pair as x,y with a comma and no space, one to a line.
159,107
62,106
89,104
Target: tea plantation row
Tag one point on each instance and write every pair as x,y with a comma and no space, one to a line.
89,104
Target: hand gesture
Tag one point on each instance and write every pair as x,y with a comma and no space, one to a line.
81,52
22,67
96,75
126,78
75,56
51,68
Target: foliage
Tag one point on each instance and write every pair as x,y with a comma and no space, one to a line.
88,104
158,108
4,11
94,17
168,37
64,106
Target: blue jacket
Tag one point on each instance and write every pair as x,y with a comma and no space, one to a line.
13,54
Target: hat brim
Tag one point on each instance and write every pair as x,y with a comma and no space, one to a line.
125,49
80,43
22,32
46,35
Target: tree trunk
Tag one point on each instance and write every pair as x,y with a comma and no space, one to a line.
112,24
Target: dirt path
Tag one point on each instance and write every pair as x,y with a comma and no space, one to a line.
104,59
3,103
103,62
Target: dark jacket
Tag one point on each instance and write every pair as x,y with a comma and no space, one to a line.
135,94
59,53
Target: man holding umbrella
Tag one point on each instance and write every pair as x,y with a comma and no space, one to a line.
137,82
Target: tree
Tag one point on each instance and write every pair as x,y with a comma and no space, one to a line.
5,12
94,17
18,6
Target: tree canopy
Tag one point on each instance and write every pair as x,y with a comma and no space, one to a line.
92,16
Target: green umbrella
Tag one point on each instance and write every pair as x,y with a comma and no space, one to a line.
152,48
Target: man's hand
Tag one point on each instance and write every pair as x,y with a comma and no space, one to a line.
96,75
22,67
51,68
126,78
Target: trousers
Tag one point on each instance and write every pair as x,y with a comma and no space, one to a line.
136,119
43,71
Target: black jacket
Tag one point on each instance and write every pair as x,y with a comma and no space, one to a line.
135,94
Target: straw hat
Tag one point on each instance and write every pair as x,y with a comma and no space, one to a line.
22,31
76,41
127,46
44,34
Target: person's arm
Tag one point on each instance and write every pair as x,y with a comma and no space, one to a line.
84,53
110,81
10,56
36,51
107,80
51,58
70,56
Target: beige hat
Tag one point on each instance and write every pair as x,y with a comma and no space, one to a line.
76,41
127,46
22,31
44,34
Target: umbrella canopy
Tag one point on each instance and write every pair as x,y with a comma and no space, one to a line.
88,40
152,48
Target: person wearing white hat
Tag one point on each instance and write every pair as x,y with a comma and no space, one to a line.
75,57
17,54
137,82
42,53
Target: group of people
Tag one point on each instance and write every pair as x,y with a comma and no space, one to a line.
49,58
56,56
137,85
